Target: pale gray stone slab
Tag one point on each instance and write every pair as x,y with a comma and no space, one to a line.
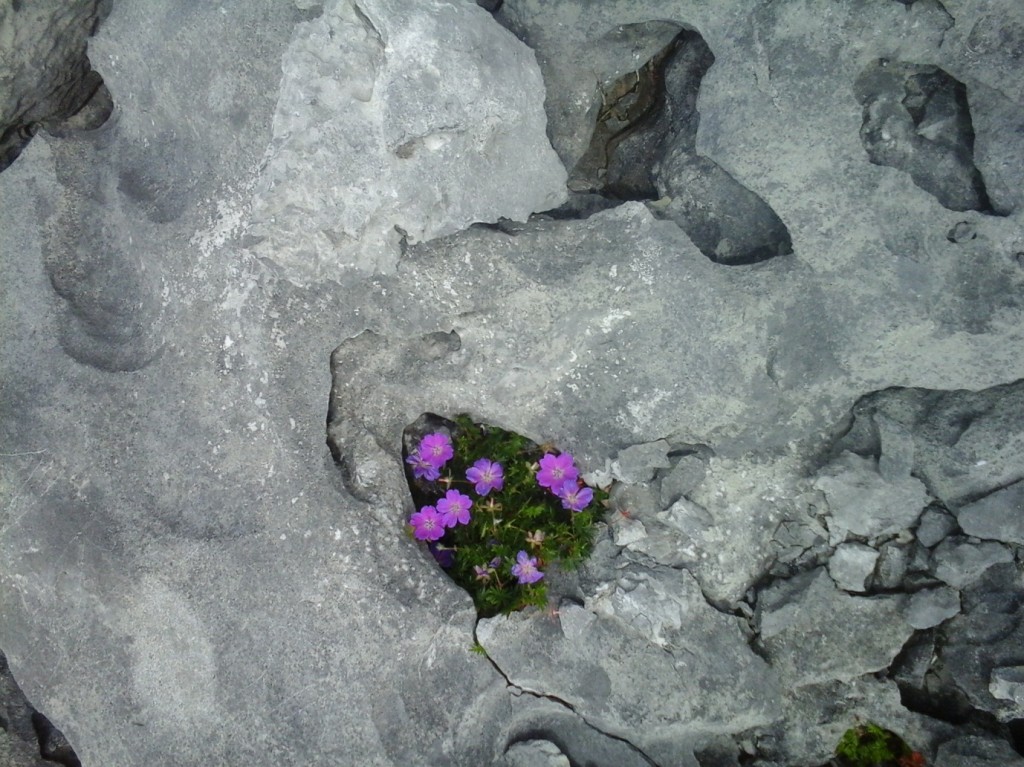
860,635
930,607
934,526
851,566
998,516
182,564
863,502
1007,683
391,126
960,562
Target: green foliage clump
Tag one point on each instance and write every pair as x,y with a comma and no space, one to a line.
868,745
520,517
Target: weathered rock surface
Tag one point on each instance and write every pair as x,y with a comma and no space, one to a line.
977,752
960,562
47,75
984,638
997,517
186,577
638,463
934,526
434,136
851,566
863,502
599,660
966,444
930,607
814,633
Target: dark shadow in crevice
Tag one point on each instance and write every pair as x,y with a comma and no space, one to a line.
25,729
75,100
644,148
53,746
917,119
91,106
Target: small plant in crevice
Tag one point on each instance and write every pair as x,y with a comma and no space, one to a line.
868,745
498,512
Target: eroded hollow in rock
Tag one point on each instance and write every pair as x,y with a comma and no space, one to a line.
85,106
644,148
26,730
917,119
500,514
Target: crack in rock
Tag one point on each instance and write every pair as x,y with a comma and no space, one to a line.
521,690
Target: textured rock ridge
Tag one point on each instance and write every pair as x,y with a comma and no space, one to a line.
305,225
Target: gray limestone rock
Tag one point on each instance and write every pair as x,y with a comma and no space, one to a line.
19,741
935,525
583,50
47,74
917,119
893,562
687,472
896,447
998,516
1007,683
959,562
662,541
930,607
851,566
183,565
614,677
813,633
535,753
986,636
391,127
915,662
800,737
638,463
629,532
525,717
966,443
802,540
977,751
862,502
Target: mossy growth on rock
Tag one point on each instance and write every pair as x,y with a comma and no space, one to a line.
497,511
869,745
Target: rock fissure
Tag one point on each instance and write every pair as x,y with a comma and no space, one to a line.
523,690
187,557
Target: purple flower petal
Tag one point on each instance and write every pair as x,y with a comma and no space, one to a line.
525,569
487,476
421,467
426,524
574,497
482,573
556,470
444,556
454,508
436,449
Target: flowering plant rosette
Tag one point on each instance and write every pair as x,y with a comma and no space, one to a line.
498,512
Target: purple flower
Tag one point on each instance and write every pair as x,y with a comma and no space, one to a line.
556,470
426,524
436,449
454,508
525,568
482,573
444,555
487,475
421,467
574,497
